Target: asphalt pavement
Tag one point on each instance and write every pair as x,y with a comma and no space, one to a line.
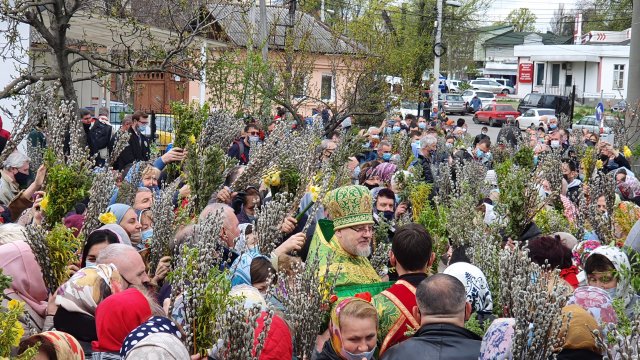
475,129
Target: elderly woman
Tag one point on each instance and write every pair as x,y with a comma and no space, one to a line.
611,158
15,175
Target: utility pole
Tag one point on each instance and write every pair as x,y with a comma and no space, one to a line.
633,85
263,30
322,10
437,52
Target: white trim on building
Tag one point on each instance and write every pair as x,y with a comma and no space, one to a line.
591,68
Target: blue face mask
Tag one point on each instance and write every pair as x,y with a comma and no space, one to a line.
252,218
356,172
146,235
396,129
386,156
479,153
90,264
142,128
254,139
366,355
422,125
553,126
612,292
367,145
535,160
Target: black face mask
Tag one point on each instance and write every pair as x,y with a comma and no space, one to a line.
589,143
370,186
388,215
21,178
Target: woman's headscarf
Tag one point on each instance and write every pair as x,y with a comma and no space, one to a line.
65,345
116,316
334,325
11,232
119,232
88,287
581,251
18,262
579,334
119,210
498,340
241,267
623,267
385,171
475,283
597,302
154,325
250,296
158,346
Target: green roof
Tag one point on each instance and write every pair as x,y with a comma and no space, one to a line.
491,28
513,38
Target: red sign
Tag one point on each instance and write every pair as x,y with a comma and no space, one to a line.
525,73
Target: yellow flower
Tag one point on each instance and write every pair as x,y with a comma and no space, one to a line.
192,139
107,218
44,203
315,191
275,179
19,331
599,164
627,152
14,305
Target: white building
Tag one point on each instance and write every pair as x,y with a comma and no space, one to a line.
595,70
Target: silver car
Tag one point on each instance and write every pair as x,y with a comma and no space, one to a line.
492,86
591,124
452,103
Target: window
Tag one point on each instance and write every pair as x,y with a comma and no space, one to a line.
555,75
618,76
539,74
568,80
326,88
529,113
299,87
504,108
488,107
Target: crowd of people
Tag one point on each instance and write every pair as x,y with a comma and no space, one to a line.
115,304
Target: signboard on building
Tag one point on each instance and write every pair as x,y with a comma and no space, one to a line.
525,72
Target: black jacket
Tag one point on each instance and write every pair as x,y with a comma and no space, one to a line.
569,354
137,150
509,134
426,169
327,353
437,342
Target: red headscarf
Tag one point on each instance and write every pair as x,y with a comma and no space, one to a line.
4,133
116,316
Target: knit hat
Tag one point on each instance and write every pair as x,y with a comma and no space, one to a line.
118,210
349,206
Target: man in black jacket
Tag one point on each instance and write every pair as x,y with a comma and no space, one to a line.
138,148
442,310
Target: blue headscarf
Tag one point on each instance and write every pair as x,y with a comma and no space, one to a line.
118,210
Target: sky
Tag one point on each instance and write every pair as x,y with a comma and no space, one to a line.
7,74
543,10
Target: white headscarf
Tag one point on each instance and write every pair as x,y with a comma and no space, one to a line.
475,283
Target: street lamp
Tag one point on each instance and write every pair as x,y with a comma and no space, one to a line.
438,49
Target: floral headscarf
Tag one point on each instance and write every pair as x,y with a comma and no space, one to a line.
497,341
475,283
385,171
17,260
597,302
155,325
88,287
622,265
582,250
65,345
334,324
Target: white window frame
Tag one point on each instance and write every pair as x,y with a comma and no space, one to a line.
618,76
333,91
305,89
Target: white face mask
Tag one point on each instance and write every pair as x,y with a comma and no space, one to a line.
555,144
365,355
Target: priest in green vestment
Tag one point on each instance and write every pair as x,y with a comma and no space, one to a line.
344,242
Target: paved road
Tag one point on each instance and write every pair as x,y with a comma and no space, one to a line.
474,129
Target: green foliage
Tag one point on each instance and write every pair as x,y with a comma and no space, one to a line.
5,281
189,119
522,20
475,326
624,325
209,295
66,185
435,221
63,247
205,171
516,198
524,158
551,220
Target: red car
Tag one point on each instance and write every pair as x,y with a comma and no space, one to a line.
494,114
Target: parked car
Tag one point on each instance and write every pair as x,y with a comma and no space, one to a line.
535,117
561,104
491,86
592,125
405,108
505,82
484,96
452,103
620,106
494,114
454,86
